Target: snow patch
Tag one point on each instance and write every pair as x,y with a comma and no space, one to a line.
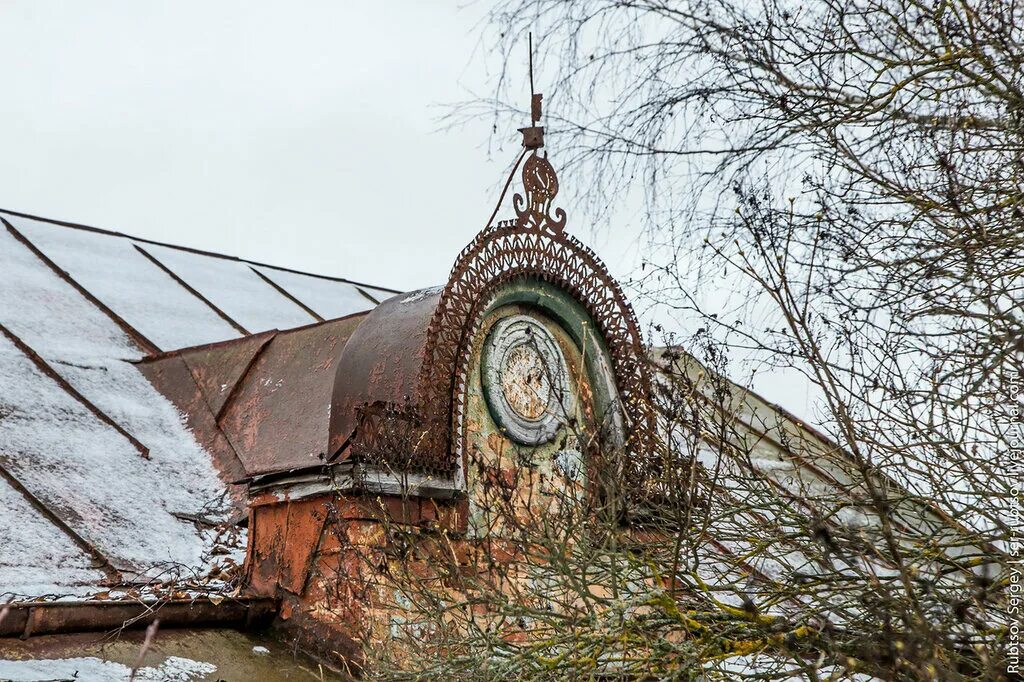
420,295
173,669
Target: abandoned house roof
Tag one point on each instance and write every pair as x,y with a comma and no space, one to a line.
101,479
146,386
143,381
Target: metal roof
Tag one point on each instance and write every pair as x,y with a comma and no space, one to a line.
104,482
263,401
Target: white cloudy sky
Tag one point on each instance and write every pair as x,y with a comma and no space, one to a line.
303,134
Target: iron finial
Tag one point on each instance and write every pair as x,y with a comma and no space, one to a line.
540,182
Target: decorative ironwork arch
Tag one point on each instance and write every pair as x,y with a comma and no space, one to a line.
529,248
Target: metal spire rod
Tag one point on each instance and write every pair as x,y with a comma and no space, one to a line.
533,93
533,137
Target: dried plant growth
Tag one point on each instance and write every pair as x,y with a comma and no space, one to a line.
773,572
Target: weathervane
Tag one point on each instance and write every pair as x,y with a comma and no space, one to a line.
539,179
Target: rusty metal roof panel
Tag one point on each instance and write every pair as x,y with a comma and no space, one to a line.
263,400
277,418
133,287
234,288
219,368
382,362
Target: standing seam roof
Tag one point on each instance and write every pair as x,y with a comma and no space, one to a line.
101,479
169,297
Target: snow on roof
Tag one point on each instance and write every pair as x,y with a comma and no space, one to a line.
91,476
113,270
34,300
101,481
379,295
235,288
176,297
329,298
39,559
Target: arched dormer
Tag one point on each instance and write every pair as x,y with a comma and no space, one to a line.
531,337
524,364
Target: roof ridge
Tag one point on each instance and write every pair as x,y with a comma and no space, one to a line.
179,247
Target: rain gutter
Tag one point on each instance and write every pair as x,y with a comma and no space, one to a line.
27,619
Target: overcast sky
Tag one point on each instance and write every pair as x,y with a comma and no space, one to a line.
304,134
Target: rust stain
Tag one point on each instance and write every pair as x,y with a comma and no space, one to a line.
242,363
277,417
305,524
